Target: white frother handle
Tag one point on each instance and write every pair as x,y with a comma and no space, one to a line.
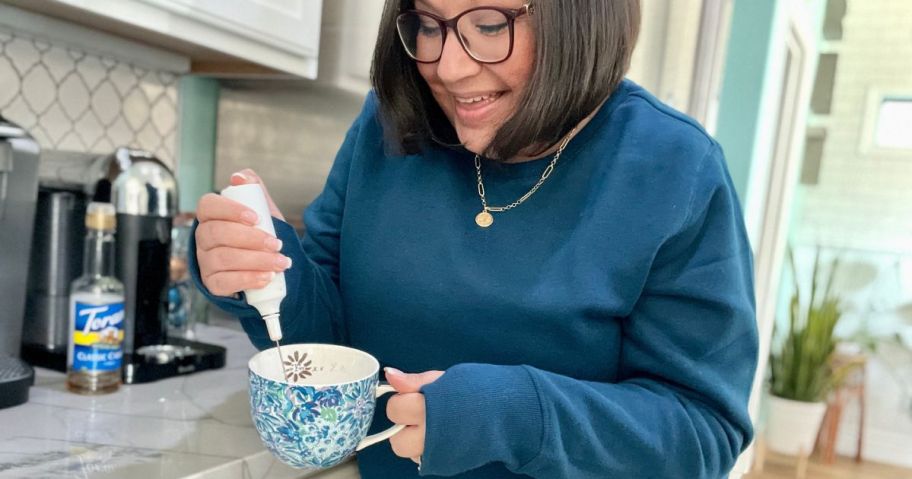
252,196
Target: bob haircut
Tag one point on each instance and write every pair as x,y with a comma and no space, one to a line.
583,50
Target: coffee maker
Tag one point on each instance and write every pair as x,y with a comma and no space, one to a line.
19,155
67,183
145,197
144,194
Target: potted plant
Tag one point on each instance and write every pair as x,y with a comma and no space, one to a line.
802,371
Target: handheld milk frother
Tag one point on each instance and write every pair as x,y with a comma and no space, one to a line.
266,300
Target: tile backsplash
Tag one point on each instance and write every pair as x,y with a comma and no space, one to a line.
70,99
289,135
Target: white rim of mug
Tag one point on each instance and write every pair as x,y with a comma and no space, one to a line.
375,369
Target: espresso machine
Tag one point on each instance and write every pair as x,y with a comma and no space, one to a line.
67,183
145,197
144,194
19,155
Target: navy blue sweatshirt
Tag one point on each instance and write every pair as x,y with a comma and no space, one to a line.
602,329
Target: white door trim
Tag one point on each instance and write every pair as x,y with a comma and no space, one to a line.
777,179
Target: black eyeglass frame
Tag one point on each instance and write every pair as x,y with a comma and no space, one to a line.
446,24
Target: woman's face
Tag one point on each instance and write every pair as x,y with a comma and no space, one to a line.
476,97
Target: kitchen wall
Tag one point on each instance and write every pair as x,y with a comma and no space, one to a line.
72,98
288,134
861,196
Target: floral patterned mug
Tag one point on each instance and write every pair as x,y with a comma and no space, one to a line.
319,413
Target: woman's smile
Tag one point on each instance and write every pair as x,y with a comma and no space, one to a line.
475,109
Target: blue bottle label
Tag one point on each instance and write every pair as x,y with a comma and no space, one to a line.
98,336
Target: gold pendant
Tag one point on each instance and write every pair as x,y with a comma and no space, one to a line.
484,219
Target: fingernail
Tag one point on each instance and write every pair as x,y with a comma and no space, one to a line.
249,217
283,262
393,372
273,244
240,175
266,277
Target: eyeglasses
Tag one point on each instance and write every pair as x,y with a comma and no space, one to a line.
485,33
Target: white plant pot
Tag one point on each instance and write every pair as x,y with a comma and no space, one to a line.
792,426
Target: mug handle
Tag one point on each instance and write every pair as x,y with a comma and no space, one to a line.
381,436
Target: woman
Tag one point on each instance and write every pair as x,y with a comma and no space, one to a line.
556,258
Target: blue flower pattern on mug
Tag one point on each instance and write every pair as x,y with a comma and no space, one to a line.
307,426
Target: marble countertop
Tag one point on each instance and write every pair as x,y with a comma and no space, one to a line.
189,426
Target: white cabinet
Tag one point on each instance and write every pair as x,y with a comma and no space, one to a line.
348,37
279,34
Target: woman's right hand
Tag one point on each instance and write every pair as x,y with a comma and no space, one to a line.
234,255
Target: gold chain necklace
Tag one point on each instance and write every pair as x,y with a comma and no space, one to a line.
485,218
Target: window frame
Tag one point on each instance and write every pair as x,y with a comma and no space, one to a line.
868,142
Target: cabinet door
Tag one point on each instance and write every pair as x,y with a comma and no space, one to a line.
279,34
290,25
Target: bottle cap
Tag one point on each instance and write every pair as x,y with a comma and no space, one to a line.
101,216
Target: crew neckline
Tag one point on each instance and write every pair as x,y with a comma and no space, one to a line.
535,167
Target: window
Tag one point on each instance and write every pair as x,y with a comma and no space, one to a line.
894,124
886,129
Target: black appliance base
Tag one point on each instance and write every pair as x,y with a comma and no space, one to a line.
42,357
16,377
176,358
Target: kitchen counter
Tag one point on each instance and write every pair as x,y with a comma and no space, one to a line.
189,426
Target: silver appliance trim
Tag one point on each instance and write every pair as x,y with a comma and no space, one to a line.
146,187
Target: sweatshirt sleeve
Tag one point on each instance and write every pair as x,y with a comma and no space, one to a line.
679,408
312,308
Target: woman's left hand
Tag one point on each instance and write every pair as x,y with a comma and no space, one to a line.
407,407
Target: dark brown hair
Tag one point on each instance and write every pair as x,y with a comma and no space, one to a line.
582,52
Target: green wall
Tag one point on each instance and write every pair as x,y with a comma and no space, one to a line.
198,110
746,73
